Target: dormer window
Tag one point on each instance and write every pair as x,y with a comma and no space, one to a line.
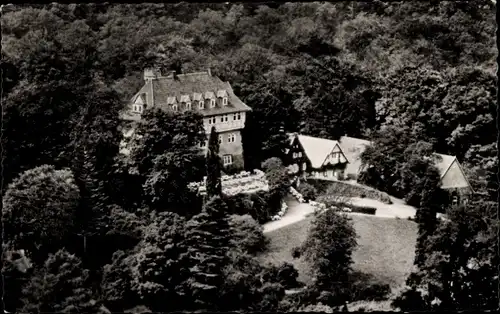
211,97
201,104
172,101
188,106
224,101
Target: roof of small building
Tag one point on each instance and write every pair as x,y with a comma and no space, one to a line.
159,92
316,149
443,163
353,147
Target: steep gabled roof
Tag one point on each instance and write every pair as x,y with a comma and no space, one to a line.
160,90
316,149
353,147
444,163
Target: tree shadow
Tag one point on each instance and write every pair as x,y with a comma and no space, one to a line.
365,287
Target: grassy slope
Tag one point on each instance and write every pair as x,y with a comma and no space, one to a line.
385,248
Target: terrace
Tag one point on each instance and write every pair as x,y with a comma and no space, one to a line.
243,182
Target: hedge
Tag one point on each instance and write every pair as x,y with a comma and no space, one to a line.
348,190
261,205
355,209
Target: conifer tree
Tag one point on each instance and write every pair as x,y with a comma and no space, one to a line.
213,165
207,242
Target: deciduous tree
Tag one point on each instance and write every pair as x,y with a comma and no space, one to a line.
39,210
328,249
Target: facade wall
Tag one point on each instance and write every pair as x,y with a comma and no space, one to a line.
225,122
235,149
232,148
331,174
335,157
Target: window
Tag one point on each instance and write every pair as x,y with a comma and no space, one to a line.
203,144
212,103
234,116
224,101
221,119
226,118
304,166
239,116
188,106
137,108
299,154
201,104
231,138
174,107
227,159
220,139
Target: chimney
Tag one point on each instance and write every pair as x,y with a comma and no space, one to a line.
149,74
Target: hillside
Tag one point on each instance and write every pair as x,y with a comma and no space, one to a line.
385,252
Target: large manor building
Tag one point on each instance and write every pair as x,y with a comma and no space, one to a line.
200,92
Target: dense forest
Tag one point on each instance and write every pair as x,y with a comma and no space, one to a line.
411,72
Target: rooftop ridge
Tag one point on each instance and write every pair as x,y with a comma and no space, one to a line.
182,75
318,138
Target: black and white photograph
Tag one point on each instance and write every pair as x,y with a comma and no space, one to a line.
249,157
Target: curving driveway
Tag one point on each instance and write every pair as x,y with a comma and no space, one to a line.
296,212
299,211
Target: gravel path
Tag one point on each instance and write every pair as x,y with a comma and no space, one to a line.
298,211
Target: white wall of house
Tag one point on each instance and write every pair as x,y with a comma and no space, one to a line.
225,122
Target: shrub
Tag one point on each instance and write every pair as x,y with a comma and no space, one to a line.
272,163
384,198
296,252
256,205
350,176
247,234
308,191
364,210
317,308
285,274
364,291
231,169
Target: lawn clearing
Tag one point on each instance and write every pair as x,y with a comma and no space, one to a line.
386,248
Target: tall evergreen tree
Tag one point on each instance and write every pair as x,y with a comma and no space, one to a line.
214,185
61,286
208,242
